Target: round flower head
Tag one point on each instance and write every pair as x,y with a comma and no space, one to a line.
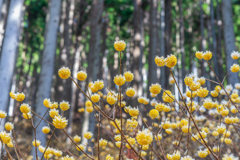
76,138
128,76
221,129
10,144
88,103
12,95
199,54
95,97
201,80
47,103
202,92
154,113
130,92
214,93
119,80
36,143
218,89
111,100
27,115
187,158
159,61
20,97
45,129
99,84
2,114
64,72
155,88
54,105
6,138
119,45
168,97
171,61
202,154
64,105
103,142
89,109
81,75
133,111
59,122
188,81
25,108
81,146
195,86
57,153
53,113
88,135
207,55
228,141
160,106
235,55
9,126
132,141
108,157
144,137
235,68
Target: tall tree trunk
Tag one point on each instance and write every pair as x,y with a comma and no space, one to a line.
94,57
229,39
162,41
9,52
214,42
219,42
47,67
153,33
4,12
138,48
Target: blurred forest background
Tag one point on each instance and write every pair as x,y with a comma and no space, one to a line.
37,37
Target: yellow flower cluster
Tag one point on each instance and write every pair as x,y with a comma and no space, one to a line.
81,75
144,137
64,72
119,45
155,88
59,122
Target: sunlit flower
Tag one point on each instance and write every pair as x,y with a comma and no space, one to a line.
81,75
60,122
45,129
36,143
108,157
81,146
95,97
88,135
119,45
130,92
207,55
128,76
202,92
64,72
154,113
103,142
25,108
12,95
188,81
199,54
9,126
111,99
171,61
20,97
53,113
5,137
64,105
155,88
133,112
159,61
235,55
235,68
2,114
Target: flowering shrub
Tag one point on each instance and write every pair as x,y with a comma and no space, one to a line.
176,128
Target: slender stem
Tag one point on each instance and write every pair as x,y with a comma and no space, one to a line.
120,107
48,143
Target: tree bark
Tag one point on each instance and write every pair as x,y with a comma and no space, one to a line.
47,67
229,39
9,52
162,42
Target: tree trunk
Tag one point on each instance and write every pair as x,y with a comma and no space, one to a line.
3,18
94,57
229,39
162,42
153,33
9,52
138,48
45,80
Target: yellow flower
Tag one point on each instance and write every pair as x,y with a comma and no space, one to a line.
9,126
202,154
195,86
221,129
143,153
203,134
64,72
119,45
119,80
176,155
64,105
12,95
128,76
89,109
53,113
133,112
25,108
54,105
202,92
214,93
218,89
36,143
81,75
199,54
118,144
153,113
45,129
10,144
27,116
168,131
41,148
228,141
208,104
132,141
141,99
88,135
215,133
95,97
108,157
130,92
76,138
57,153
224,112
155,88
167,96
207,55
235,68
159,61
158,137
160,106
188,94
2,114
166,125
166,108
99,84
235,55
185,129
103,142
88,103
111,99
215,149
60,122
188,81
117,137
81,146
6,138
171,61
20,97
47,103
